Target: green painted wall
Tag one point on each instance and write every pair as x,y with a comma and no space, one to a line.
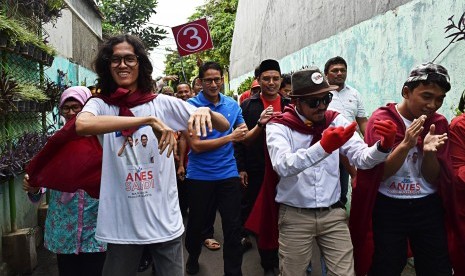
381,51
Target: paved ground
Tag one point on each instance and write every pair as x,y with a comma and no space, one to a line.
211,262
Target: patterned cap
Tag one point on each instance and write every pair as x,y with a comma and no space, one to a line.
430,72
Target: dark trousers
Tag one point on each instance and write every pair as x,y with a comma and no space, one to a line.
249,194
182,196
83,264
344,179
228,195
420,222
268,258
209,229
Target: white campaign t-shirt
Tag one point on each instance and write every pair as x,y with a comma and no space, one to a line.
408,182
139,203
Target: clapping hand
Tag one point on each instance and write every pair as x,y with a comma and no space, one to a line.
433,142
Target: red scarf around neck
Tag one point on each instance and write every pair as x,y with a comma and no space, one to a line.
263,219
125,100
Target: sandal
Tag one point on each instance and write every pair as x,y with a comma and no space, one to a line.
212,244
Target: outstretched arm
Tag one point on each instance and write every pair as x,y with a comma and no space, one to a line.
89,124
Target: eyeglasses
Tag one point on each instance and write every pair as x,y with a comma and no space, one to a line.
315,102
210,81
75,107
129,60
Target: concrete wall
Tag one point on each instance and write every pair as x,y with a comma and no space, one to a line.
85,51
26,212
60,34
88,15
381,51
276,28
77,33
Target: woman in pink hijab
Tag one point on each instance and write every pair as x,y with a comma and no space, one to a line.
71,217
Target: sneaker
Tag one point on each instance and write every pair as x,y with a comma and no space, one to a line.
192,265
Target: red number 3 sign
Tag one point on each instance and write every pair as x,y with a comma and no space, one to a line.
192,37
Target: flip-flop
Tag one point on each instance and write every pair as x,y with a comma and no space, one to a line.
212,244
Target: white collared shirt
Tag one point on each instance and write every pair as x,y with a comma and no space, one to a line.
348,102
309,177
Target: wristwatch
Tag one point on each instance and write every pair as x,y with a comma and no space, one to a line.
260,124
378,146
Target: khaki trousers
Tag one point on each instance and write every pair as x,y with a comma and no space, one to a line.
298,227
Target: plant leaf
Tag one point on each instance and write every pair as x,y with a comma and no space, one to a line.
462,21
448,28
454,34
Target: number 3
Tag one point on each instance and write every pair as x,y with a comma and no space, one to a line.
194,36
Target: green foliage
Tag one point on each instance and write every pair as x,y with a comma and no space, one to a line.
173,66
131,16
28,92
17,32
245,85
220,15
43,11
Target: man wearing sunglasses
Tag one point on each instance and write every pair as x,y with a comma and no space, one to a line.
304,145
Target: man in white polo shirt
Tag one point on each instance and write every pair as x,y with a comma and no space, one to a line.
347,101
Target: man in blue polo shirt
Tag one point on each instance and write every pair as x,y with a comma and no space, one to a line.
212,174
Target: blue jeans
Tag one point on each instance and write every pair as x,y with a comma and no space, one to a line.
123,259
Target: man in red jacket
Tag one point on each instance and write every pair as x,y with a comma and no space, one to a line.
402,207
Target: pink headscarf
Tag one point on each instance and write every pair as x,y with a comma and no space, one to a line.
80,93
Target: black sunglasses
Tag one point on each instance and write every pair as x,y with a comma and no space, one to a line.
315,102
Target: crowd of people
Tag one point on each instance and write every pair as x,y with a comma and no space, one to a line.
276,166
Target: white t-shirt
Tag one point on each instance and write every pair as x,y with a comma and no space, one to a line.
408,182
139,203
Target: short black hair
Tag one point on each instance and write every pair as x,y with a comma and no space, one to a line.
193,82
334,60
209,65
256,73
181,83
143,135
286,79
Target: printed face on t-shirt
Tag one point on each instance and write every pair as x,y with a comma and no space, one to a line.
143,140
